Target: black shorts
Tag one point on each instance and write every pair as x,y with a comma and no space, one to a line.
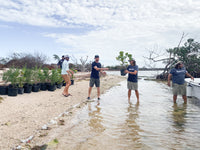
95,82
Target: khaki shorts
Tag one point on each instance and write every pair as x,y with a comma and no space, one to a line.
179,89
66,78
132,85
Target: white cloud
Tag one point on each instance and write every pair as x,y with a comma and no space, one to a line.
130,25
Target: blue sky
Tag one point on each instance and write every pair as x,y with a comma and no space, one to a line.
87,27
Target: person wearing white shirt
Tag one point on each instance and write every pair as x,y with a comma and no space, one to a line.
66,74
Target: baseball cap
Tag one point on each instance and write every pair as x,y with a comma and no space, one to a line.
96,56
66,56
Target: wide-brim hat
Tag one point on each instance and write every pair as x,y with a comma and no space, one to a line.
179,62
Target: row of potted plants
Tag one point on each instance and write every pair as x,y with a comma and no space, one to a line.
31,80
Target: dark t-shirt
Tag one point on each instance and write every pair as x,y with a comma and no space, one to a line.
132,77
60,63
95,73
178,75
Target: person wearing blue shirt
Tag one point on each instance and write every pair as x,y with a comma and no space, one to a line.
61,62
178,81
95,78
132,82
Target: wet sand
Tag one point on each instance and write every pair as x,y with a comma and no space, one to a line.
24,116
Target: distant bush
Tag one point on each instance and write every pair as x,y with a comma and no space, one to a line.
19,60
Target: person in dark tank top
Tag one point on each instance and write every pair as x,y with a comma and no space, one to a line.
95,77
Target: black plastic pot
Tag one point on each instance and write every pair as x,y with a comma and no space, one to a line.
12,91
123,72
3,90
43,87
72,82
39,84
64,84
20,90
59,86
36,88
51,87
27,88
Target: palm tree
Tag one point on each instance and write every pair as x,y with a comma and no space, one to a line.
56,57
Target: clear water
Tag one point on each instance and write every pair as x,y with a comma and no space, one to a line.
155,123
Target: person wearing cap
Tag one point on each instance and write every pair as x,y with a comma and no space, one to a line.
94,78
60,62
178,74
66,74
132,83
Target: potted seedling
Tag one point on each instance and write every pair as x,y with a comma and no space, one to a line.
123,61
11,76
35,80
20,81
28,80
46,74
4,87
72,76
53,79
42,74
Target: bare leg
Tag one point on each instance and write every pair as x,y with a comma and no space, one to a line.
185,99
129,95
174,98
68,83
66,90
137,95
98,92
89,91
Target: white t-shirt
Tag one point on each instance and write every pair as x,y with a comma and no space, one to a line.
65,67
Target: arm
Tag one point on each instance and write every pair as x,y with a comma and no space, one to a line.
68,72
169,79
71,71
189,75
133,73
100,69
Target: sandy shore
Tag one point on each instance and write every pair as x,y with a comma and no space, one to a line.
24,116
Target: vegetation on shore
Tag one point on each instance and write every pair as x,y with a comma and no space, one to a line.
188,53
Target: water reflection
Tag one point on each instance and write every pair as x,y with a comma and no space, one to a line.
95,118
132,130
179,116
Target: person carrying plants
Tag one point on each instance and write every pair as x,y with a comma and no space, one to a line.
66,74
94,78
132,82
61,62
178,81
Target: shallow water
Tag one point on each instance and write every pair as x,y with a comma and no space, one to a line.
155,123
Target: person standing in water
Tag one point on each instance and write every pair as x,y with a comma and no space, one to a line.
66,74
132,82
94,78
178,81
